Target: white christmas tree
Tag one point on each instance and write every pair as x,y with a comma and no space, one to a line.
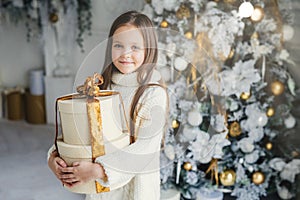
231,96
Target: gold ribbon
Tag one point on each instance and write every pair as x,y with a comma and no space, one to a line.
213,168
90,89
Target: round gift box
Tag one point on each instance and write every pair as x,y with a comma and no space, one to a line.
74,119
72,153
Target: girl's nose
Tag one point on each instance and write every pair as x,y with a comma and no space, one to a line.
127,53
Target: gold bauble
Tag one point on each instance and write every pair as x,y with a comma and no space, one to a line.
53,17
235,129
295,154
164,24
188,35
258,178
183,12
227,177
245,95
270,112
175,124
258,14
277,88
187,166
269,146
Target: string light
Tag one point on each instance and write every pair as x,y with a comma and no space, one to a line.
246,9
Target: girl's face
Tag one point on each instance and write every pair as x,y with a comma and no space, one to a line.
128,52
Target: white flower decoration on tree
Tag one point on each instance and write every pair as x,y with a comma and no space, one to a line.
290,170
252,157
218,23
204,148
277,164
168,5
246,145
239,79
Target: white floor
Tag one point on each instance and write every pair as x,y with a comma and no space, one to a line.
24,173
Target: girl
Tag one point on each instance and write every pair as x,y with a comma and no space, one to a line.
133,172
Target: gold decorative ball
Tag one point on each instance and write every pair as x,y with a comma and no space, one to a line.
235,129
258,178
258,14
53,17
269,146
228,177
187,166
277,88
164,24
183,12
189,35
270,112
295,154
245,95
175,124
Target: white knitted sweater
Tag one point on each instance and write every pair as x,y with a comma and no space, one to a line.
133,172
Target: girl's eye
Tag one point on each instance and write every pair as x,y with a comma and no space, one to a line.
135,48
118,46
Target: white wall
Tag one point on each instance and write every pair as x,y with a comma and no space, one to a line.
17,56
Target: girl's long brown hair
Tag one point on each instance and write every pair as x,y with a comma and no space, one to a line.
145,25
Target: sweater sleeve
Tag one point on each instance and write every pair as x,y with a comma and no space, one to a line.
143,155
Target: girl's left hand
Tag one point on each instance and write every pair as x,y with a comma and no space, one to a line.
82,172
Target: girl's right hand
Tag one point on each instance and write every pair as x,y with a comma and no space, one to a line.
56,164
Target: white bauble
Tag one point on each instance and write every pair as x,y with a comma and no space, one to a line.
180,64
262,119
288,32
290,121
246,9
194,118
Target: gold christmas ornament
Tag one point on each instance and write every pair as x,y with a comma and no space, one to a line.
269,146
258,178
187,166
175,124
53,17
245,95
227,177
189,35
164,24
183,12
235,129
258,14
277,88
270,112
295,154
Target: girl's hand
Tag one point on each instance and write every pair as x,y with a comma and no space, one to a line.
82,172
56,164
